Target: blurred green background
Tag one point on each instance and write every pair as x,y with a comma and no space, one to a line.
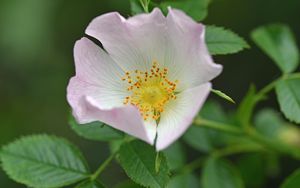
36,61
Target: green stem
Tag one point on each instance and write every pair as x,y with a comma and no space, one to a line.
235,149
291,76
271,85
145,5
267,88
103,166
252,134
191,166
274,145
217,126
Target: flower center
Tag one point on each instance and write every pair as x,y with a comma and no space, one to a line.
150,90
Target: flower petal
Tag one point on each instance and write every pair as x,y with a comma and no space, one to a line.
179,115
96,68
86,102
134,43
176,42
192,64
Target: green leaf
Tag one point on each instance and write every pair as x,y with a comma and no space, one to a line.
252,167
288,96
184,180
293,181
269,123
278,42
90,184
222,95
95,131
43,161
128,184
138,160
220,174
201,138
197,9
115,145
136,7
175,155
222,41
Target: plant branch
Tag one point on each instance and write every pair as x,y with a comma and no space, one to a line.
236,149
272,85
145,5
217,126
103,166
252,134
190,167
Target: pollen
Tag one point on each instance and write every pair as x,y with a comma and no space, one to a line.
150,90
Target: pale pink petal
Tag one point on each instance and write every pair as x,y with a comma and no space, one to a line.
97,92
175,42
179,115
95,67
192,64
132,43
85,101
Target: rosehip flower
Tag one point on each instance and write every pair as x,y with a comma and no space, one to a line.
151,78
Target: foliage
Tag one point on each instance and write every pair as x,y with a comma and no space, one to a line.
95,131
222,41
140,164
197,9
220,174
278,42
257,139
43,161
288,94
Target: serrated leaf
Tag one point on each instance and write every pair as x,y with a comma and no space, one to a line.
222,95
138,160
128,184
218,173
43,161
197,9
278,42
293,181
184,181
288,96
95,131
175,155
222,41
90,184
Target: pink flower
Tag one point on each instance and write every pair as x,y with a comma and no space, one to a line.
152,78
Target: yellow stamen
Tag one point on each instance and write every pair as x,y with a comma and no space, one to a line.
150,90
